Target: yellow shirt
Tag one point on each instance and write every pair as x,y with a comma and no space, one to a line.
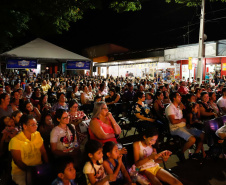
46,87
30,150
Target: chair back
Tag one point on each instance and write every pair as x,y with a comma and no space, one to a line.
128,159
210,127
40,174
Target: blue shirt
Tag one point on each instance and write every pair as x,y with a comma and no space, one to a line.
58,181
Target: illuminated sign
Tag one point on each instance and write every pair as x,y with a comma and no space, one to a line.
21,64
75,65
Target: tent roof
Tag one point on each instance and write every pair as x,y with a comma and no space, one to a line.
41,49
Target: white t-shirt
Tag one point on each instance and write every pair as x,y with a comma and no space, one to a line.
172,110
100,174
221,102
63,138
221,130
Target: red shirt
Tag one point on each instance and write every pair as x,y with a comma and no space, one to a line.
183,90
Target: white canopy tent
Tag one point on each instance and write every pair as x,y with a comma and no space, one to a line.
41,49
44,51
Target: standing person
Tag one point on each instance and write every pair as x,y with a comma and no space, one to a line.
178,126
27,149
147,159
93,170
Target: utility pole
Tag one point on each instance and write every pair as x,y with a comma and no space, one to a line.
201,44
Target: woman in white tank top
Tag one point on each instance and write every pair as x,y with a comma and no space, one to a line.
147,159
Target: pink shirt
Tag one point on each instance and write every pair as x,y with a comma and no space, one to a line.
107,129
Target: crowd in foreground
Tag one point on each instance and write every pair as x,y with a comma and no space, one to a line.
63,120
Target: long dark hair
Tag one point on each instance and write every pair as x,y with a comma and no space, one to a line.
91,147
58,115
108,147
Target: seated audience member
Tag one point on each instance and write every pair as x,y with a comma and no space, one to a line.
5,108
63,140
7,134
86,98
76,117
159,107
43,105
66,173
198,94
147,159
45,127
112,98
61,104
75,94
45,87
15,100
113,164
103,126
142,113
183,89
27,93
129,94
98,98
212,101
36,96
221,102
29,109
93,169
178,127
166,97
193,116
27,149
16,115
149,99
221,132
206,111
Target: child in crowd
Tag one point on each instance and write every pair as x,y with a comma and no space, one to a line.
147,159
65,170
93,169
113,164
7,134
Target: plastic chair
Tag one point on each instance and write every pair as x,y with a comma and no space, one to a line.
210,128
40,174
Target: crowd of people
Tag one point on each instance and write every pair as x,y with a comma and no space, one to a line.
61,120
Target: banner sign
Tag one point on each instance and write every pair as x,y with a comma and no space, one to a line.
190,63
21,64
75,65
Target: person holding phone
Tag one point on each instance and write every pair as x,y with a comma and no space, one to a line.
147,159
76,117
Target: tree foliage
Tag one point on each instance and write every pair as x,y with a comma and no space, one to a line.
44,17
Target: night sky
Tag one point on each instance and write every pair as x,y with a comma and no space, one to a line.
157,25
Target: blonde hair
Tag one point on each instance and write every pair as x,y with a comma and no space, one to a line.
97,109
